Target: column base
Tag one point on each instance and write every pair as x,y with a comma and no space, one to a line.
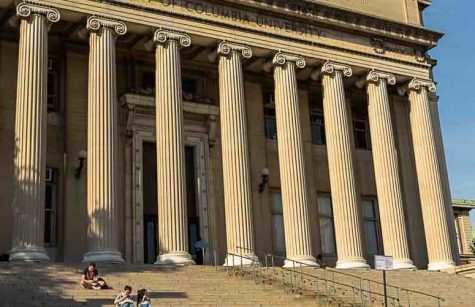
28,254
296,262
175,258
234,260
403,265
441,265
106,256
352,264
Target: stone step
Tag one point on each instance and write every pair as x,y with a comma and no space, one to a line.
57,285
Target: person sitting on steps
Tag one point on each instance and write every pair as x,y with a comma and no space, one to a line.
123,299
142,299
90,278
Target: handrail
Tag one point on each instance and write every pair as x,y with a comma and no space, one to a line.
380,283
355,289
344,273
338,283
360,279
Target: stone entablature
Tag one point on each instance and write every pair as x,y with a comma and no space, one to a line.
309,21
350,18
260,29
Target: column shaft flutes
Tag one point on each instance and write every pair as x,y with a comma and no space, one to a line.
30,134
348,227
172,215
434,104
429,177
291,160
236,165
102,141
386,168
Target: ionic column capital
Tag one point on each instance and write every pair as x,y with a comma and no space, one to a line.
417,84
25,10
225,48
281,58
162,36
96,23
330,68
375,76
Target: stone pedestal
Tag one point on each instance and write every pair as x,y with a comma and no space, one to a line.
348,226
291,161
386,168
236,165
172,218
102,142
30,134
429,176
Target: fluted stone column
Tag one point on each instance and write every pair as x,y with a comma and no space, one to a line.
102,142
172,217
386,168
434,103
348,226
236,165
291,160
30,134
429,176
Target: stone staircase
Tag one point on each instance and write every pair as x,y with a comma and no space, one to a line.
424,286
455,290
341,288
58,285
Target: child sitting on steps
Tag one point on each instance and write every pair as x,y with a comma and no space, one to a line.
142,299
123,299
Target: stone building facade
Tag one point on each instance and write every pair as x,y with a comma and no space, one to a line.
463,226
131,129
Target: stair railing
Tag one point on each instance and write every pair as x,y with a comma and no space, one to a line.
395,289
362,287
295,278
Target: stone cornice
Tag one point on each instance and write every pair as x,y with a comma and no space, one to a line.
25,10
337,17
134,100
425,2
161,36
95,23
375,77
145,13
330,68
282,58
226,48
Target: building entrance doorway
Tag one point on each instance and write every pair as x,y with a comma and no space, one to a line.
150,201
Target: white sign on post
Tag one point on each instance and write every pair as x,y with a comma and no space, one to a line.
384,263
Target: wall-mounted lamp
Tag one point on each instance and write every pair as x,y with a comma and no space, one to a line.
402,90
82,155
212,56
267,66
360,82
13,21
148,45
83,33
315,75
265,179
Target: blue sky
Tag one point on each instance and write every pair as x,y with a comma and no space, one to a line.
455,74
